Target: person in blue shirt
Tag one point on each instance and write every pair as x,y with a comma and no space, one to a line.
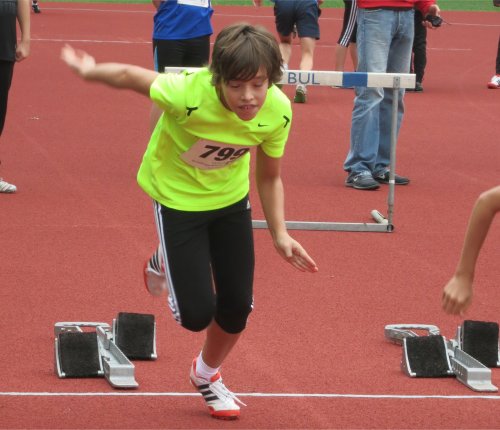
181,36
181,33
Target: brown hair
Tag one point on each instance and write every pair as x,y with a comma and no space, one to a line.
240,50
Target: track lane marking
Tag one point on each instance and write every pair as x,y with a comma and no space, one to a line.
284,395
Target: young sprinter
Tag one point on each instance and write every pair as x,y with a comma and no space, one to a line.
196,170
457,293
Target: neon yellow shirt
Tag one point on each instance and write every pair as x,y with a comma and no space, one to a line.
198,157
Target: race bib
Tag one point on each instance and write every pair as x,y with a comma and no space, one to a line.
206,154
199,3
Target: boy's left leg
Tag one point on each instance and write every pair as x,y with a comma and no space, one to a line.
232,260
205,375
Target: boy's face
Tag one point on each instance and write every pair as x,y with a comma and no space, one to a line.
245,98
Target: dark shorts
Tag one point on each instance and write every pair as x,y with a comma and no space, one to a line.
349,27
6,72
209,262
188,52
303,14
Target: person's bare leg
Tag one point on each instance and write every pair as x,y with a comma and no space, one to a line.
218,345
286,48
307,45
353,49
340,55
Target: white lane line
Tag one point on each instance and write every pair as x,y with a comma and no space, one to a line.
146,42
284,395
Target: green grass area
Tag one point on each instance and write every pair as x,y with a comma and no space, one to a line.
483,5
466,5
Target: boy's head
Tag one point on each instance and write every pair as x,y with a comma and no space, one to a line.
241,51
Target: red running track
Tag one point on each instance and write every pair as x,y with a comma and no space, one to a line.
74,238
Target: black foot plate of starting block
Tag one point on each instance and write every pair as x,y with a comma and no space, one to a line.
135,335
79,354
426,357
480,340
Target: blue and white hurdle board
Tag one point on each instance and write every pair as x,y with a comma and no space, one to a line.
394,81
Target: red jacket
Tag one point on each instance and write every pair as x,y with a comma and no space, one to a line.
421,5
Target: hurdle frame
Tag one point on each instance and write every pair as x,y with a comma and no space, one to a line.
394,81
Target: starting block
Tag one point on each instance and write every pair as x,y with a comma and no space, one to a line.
434,356
94,349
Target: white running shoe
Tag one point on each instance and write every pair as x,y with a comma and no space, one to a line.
221,403
155,280
300,94
495,82
5,187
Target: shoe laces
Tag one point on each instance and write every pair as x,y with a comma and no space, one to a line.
362,174
221,391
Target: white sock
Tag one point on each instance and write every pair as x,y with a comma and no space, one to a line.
204,371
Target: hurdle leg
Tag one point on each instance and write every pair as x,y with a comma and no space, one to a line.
392,158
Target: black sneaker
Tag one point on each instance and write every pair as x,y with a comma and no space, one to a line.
36,8
361,181
383,178
418,87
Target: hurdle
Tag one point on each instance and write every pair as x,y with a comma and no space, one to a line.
393,81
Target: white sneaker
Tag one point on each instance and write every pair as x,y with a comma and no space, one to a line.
155,280
495,82
5,187
220,401
300,94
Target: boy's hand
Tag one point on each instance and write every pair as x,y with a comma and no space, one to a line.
292,251
457,295
78,60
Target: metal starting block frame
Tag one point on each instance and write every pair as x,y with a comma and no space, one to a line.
114,365
393,81
469,371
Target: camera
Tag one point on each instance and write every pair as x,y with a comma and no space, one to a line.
435,21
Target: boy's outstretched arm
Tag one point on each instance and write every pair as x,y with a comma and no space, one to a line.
116,75
271,196
457,294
